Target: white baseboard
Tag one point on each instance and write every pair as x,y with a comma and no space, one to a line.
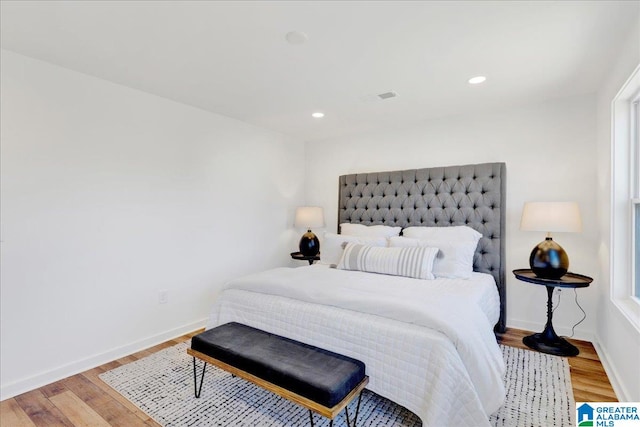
562,331
27,384
618,387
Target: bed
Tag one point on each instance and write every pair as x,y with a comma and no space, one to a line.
428,345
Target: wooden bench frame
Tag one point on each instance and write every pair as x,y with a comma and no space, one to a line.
312,406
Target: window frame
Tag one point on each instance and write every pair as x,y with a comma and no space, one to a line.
625,185
635,245
634,186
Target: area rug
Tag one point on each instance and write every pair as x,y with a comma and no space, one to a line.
539,391
538,394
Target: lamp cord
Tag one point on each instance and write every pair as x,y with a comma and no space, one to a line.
584,314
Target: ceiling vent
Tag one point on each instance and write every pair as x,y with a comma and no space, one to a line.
387,95
378,97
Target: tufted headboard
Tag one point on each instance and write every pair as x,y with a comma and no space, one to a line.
472,195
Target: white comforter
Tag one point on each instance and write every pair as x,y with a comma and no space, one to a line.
425,344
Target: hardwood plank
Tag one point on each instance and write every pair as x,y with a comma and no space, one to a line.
127,359
93,376
108,408
586,367
53,389
588,385
77,411
597,384
111,365
586,396
12,415
41,411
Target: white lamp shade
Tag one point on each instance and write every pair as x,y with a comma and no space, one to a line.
551,217
309,217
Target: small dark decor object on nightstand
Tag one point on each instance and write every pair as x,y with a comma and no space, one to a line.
309,244
309,217
548,260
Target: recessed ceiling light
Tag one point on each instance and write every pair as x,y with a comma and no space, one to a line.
296,37
476,80
317,115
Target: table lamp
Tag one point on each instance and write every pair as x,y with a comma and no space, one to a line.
548,260
309,217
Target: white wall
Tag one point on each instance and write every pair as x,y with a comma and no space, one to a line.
109,195
619,340
549,150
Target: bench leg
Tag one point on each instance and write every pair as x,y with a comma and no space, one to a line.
197,390
355,420
346,410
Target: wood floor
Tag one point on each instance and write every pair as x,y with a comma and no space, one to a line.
84,400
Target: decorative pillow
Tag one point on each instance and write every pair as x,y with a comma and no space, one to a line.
369,230
332,246
415,262
454,259
456,233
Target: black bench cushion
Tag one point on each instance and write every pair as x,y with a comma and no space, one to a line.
320,375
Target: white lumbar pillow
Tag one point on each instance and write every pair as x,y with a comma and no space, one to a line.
415,262
454,259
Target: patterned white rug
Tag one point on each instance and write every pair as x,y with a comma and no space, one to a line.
538,386
539,391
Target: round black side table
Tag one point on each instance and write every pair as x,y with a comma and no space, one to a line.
548,341
298,256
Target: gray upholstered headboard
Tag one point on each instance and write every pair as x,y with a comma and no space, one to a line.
472,195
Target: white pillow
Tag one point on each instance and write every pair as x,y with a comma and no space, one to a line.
332,246
451,234
369,230
415,262
454,259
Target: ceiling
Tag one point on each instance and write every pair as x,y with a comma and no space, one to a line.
232,58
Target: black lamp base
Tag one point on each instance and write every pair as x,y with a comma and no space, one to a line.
309,244
548,260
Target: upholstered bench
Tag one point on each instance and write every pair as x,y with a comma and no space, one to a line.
322,381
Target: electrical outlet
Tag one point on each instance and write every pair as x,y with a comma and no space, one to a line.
163,296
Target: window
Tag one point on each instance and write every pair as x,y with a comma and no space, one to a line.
625,190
